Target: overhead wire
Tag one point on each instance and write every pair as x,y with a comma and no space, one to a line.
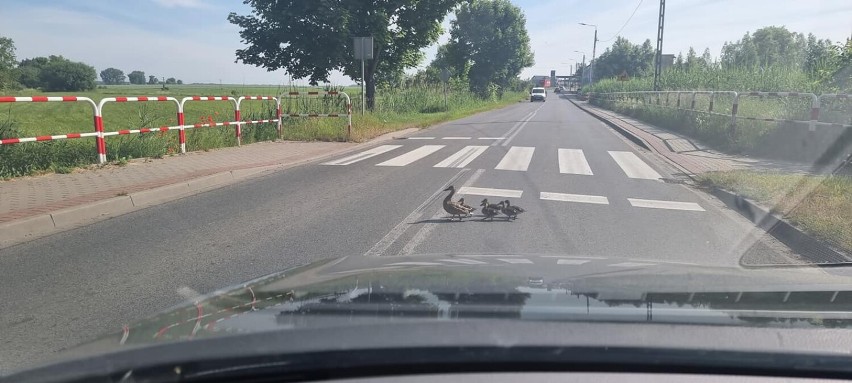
625,23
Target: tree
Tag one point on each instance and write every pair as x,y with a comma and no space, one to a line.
768,46
623,56
112,76
152,80
171,80
180,82
8,62
311,38
56,73
491,37
61,74
29,72
707,58
136,77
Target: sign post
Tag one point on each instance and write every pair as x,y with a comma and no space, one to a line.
623,77
363,51
445,76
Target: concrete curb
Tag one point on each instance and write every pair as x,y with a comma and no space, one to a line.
30,228
815,250
630,136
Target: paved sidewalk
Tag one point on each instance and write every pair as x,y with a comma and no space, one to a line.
31,196
687,153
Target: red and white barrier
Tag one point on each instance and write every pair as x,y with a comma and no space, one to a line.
347,113
236,122
9,141
277,119
99,133
100,122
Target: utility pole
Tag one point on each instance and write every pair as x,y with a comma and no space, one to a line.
658,60
594,48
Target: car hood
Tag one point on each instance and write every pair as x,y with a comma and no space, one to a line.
353,290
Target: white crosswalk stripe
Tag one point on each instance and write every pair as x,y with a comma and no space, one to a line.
463,157
517,158
670,205
515,261
464,261
595,199
412,156
571,261
490,192
573,161
363,155
633,166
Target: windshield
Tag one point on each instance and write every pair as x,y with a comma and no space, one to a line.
160,158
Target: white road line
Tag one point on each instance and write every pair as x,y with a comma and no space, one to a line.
491,138
426,230
671,205
573,161
571,261
632,264
415,264
488,192
456,138
363,155
464,261
510,135
421,138
596,199
515,260
412,156
517,158
380,247
633,166
462,158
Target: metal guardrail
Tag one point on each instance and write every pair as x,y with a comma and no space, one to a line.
646,96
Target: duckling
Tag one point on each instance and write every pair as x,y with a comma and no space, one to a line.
511,210
451,207
462,204
489,210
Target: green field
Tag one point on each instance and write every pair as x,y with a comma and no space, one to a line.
395,109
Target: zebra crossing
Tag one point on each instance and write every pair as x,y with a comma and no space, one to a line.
516,158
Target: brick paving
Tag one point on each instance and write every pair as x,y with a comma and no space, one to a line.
29,196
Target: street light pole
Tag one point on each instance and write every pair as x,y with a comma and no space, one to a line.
594,49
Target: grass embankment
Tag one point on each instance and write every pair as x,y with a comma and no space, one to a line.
819,205
716,130
395,110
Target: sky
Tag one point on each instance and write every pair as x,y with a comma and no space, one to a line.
193,41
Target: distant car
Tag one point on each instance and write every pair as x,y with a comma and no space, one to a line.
559,90
538,94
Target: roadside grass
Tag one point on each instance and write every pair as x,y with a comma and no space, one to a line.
819,205
715,130
396,109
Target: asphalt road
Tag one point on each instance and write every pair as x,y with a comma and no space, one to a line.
587,192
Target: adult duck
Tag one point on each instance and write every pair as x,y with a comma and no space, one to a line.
452,207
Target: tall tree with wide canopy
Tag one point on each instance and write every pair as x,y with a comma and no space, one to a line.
309,39
491,37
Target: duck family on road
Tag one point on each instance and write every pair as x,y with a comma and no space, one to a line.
489,210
